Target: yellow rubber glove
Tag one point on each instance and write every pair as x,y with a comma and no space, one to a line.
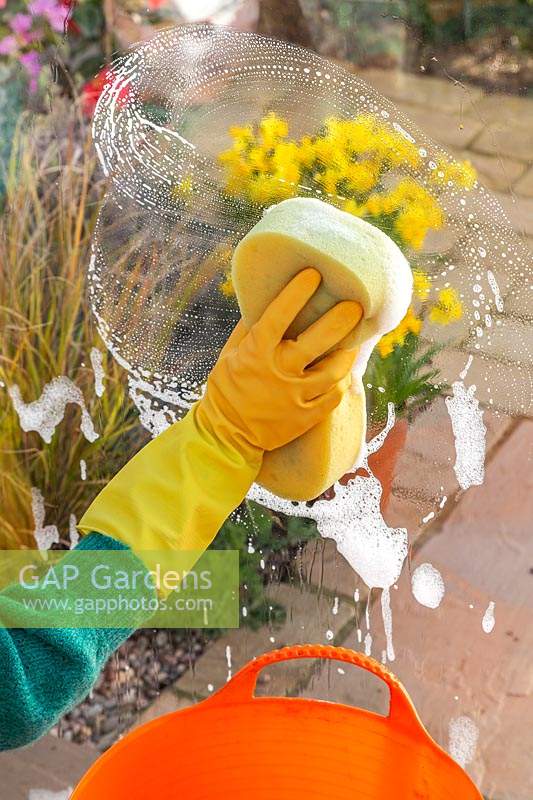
262,393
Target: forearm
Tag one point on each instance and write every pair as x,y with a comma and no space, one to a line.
175,493
46,671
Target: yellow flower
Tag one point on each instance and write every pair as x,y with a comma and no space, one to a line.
226,287
462,173
409,324
421,284
238,171
242,136
267,189
306,152
362,134
447,309
374,205
411,226
285,162
361,176
183,189
258,158
353,208
328,180
419,212
328,153
272,129
395,149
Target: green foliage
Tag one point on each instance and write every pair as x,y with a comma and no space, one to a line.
264,540
84,54
416,14
490,19
406,376
365,14
12,96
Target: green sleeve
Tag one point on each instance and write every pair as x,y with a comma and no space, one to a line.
46,671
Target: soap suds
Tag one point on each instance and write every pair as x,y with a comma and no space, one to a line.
228,662
387,622
83,469
355,522
495,290
467,366
46,794
427,586
463,735
469,434
153,416
45,535
97,360
73,531
44,414
488,622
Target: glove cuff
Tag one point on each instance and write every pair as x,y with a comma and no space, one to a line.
176,492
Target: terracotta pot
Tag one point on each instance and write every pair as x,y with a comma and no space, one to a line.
382,463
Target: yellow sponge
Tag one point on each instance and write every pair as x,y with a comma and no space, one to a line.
357,261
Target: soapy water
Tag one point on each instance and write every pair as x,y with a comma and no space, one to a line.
73,531
469,434
463,737
97,359
46,794
427,585
45,413
355,522
165,235
45,535
488,622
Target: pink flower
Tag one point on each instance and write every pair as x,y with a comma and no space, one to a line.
31,62
8,46
54,12
21,23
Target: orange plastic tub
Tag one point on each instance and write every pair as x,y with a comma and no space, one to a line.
235,745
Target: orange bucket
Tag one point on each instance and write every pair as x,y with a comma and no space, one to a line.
236,745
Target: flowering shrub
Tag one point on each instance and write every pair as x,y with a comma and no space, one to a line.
364,167
92,89
27,32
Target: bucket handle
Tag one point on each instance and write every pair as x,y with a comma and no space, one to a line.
242,686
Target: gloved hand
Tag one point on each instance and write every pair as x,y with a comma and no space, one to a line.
262,393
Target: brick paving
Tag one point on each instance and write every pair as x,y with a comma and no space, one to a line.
481,543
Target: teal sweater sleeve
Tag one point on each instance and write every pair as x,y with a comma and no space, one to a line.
46,671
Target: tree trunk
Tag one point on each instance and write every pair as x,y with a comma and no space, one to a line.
284,19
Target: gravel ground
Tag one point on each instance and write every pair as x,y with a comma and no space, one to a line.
132,678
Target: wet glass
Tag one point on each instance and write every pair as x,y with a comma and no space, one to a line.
116,300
